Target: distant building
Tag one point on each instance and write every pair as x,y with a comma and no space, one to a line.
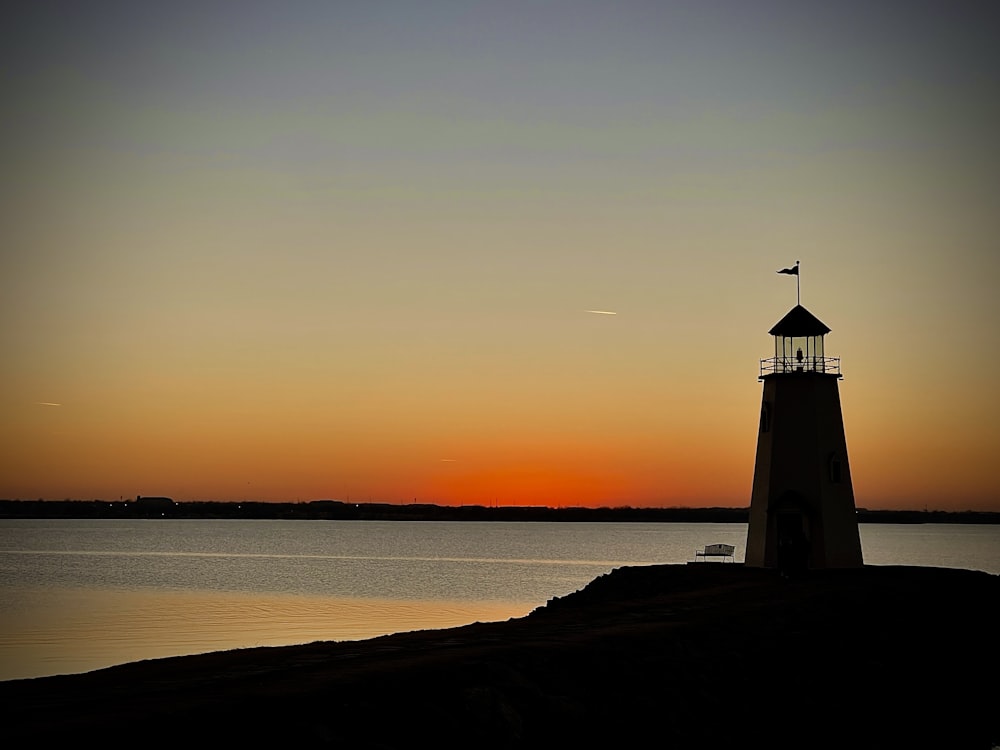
157,505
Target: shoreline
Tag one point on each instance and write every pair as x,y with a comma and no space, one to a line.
160,507
879,656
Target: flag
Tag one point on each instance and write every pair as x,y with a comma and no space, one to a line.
794,270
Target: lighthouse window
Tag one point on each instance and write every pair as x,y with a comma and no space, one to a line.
834,463
765,417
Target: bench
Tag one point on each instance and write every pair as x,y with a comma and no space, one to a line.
716,550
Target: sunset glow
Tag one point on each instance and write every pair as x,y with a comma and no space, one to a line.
480,255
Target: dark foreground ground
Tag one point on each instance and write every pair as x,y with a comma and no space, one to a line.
681,656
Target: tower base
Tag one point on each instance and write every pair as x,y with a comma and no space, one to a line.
802,512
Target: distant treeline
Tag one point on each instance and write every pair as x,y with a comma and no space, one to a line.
161,507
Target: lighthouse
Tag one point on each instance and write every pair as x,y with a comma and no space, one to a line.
802,513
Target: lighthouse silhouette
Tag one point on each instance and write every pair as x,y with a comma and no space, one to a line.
802,512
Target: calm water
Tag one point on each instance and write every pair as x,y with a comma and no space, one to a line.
77,595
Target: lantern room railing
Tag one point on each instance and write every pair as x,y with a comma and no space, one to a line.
791,365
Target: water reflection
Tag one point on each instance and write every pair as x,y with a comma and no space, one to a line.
61,631
78,595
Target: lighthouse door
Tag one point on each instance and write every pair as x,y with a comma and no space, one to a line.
793,542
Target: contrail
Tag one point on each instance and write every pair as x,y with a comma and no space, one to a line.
46,403
601,312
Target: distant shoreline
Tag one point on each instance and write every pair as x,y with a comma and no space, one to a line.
159,507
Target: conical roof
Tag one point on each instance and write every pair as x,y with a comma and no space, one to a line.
799,322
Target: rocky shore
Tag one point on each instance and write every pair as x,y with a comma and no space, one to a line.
682,656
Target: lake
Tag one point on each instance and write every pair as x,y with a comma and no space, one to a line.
78,595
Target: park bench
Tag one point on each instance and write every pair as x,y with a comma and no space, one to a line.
716,550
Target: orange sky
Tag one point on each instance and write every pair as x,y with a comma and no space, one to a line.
340,253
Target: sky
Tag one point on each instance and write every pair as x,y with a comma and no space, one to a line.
368,251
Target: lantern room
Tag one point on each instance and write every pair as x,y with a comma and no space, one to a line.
798,346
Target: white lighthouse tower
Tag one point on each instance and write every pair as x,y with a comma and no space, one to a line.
802,513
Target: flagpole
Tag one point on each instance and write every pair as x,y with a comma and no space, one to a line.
798,290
